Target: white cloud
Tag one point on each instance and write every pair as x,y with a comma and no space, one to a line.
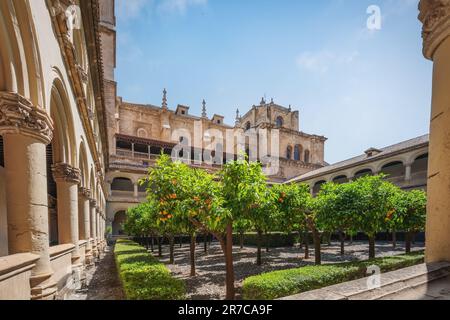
179,6
322,61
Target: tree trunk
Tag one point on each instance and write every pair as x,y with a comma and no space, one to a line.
342,238
394,239
181,241
193,243
147,243
371,247
317,247
159,247
152,244
329,238
258,255
172,247
241,239
306,241
300,239
205,243
267,242
229,264
408,238
351,239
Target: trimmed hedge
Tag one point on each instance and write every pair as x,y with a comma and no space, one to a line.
278,284
143,277
276,239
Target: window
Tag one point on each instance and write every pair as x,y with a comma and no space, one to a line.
279,122
183,112
297,152
122,184
289,152
307,156
248,126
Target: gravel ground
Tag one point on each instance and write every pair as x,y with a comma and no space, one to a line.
102,281
209,284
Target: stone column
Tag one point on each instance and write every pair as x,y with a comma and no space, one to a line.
435,16
99,234
67,179
136,190
408,168
85,223
26,131
93,204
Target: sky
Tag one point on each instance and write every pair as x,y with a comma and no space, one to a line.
358,87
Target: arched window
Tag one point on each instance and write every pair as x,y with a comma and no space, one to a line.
248,125
307,156
297,152
122,184
289,153
279,122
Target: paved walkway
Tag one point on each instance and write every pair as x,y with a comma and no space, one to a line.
436,290
102,282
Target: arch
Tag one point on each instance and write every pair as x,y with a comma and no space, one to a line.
117,224
289,152
317,186
64,145
83,165
340,179
21,66
248,125
394,169
389,161
362,173
297,152
279,122
307,158
122,184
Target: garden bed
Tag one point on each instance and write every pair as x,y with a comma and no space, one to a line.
143,277
278,284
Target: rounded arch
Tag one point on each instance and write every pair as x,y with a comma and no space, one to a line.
279,121
117,224
307,157
289,152
387,162
298,149
317,186
122,184
64,144
362,172
340,179
20,60
83,165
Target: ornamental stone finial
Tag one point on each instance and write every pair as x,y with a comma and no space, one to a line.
19,116
164,100
435,16
204,114
65,172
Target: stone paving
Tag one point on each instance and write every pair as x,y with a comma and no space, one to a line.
102,281
210,280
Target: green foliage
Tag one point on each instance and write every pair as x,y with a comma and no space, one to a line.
410,211
143,277
278,284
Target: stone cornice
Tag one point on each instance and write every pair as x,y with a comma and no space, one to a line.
435,16
19,116
67,173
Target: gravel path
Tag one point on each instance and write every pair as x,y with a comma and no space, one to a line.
210,280
102,281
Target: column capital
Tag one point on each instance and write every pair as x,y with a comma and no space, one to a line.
93,203
19,116
435,16
65,172
85,192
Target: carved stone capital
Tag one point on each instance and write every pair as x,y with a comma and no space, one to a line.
84,192
19,116
435,16
93,203
67,173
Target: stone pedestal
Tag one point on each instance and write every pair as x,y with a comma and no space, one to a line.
85,223
435,16
26,131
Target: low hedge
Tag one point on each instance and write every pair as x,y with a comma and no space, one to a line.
143,277
278,284
276,239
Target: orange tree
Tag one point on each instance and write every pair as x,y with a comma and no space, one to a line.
292,202
409,214
374,200
336,206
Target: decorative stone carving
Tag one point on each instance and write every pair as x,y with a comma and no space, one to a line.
19,116
93,203
67,173
435,16
84,192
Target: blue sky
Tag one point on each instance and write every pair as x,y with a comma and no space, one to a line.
360,88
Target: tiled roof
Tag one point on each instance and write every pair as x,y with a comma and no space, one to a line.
385,152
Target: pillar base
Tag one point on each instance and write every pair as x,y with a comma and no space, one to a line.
78,276
42,288
89,259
